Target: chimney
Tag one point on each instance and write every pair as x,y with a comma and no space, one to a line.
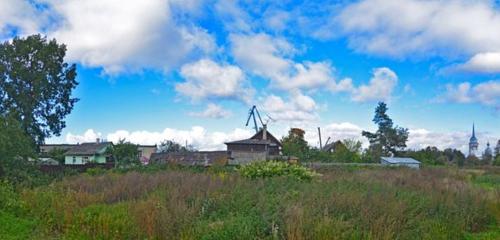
264,132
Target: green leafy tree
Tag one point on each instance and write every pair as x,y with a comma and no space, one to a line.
125,154
388,139
496,162
169,146
57,154
36,85
294,144
15,150
472,160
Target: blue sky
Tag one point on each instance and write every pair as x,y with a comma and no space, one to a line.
189,70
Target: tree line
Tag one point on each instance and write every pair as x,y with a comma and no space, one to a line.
388,140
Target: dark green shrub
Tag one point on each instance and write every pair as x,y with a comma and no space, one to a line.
264,169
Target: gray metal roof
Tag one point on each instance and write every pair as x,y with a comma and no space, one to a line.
251,141
397,160
87,148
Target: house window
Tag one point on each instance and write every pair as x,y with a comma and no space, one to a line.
85,159
74,159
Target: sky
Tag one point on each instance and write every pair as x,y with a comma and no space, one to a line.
189,70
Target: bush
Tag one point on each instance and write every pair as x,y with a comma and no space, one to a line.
263,169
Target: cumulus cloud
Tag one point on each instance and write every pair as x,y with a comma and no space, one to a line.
407,27
488,62
197,136
486,93
418,137
335,131
270,57
88,136
117,35
421,138
379,88
205,79
299,108
212,111
20,17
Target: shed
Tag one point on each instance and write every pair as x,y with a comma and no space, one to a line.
400,161
261,146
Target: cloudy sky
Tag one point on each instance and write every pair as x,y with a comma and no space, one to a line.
189,70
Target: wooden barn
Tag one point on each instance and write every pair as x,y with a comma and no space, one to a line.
261,146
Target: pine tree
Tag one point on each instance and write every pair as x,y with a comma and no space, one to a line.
388,139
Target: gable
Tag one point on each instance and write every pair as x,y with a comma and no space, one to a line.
260,135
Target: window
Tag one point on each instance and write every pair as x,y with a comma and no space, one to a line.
85,159
74,159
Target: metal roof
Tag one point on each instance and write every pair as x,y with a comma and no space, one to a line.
396,160
87,148
251,141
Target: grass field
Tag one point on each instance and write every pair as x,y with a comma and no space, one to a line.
342,203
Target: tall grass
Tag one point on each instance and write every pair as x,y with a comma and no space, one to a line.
341,204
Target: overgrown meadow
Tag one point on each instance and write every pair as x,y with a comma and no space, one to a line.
338,203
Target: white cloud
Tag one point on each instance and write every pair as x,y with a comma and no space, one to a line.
299,109
234,18
422,138
118,35
204,140
205,79
20,15
379,88
196,136
407,27
270,57
487,93
488,62
335,131
212,111
89,136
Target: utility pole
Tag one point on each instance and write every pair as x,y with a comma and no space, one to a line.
320,143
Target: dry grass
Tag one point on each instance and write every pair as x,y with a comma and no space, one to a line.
342,204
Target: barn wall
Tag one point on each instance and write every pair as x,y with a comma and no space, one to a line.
244,157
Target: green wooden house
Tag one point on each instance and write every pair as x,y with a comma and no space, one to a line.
88,153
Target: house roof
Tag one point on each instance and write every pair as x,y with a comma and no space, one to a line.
257,139
396,160
49,147
88,148
251,141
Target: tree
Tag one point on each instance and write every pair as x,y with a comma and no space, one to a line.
57,154
496,162
169,146
388,139
294,144
15,150
36,85
347,150
124,154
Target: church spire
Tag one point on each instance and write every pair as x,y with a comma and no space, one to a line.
473,131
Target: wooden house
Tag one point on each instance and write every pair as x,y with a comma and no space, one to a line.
94,152
261,146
